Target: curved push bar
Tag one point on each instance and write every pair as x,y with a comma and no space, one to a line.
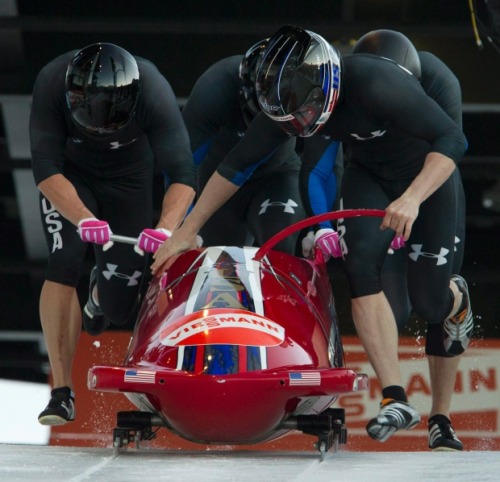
346,213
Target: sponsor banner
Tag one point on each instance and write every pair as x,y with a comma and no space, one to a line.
475,408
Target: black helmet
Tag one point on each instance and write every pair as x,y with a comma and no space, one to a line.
391,45
102,86
248,67
298,80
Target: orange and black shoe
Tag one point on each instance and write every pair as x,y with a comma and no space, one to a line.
393,415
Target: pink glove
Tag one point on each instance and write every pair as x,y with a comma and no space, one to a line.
150,240
396,243
92,230
327,240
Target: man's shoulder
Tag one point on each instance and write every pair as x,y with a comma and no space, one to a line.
146,67
59,63
433,65
228,66
363,62
371,75
222,78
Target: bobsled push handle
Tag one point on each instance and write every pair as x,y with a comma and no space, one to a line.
127,240
346,213
123,239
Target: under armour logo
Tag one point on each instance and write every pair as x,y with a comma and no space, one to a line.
117,145
373,135
289,205
440,258
132,280
76,140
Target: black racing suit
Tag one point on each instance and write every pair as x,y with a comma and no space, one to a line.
113,176
439,83
388,124
268,199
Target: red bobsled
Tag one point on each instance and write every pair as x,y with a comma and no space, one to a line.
236,346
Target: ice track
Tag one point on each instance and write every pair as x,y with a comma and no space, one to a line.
25,463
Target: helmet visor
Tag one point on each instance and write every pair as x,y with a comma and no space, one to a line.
298,81
102,85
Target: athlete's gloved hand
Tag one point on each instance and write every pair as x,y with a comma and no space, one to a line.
327,240
93,230
150,240
396,243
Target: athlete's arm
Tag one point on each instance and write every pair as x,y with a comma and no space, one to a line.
47,127
404,103
169,141
63,196
442,85
321,162
158,111
263,137
217,191
176,202
212,104
401,213
395,97
48,135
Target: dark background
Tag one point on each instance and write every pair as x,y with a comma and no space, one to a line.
183,38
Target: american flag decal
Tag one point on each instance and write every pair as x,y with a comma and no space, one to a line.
305,378
139,376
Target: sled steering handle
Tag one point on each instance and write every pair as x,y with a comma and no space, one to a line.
123,239
127,240
346,213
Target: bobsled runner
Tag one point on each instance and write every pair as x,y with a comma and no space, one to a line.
236,345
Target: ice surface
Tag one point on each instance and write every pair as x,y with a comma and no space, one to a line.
69,464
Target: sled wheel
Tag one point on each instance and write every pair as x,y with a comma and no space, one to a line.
121,437
322,449
117,442
336,442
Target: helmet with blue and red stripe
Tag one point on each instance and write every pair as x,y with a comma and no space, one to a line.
248,68
298,80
